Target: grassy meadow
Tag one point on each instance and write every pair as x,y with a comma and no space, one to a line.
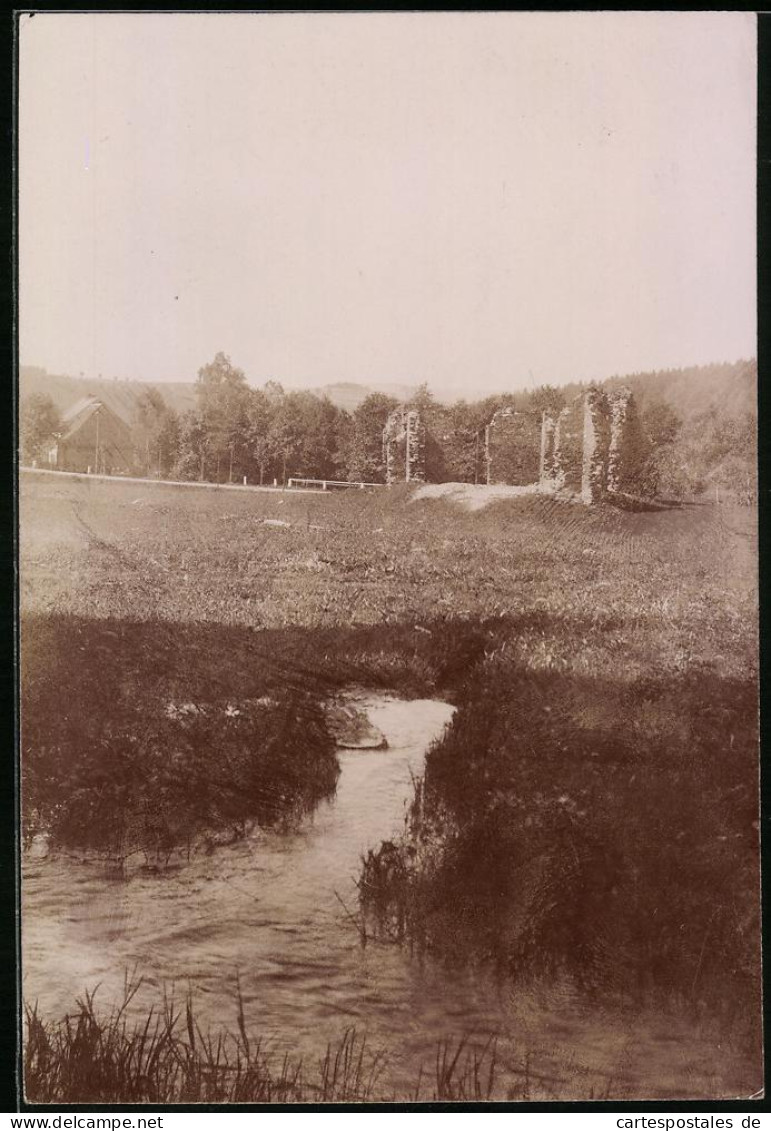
592,810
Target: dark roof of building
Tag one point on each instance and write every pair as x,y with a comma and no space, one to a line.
76,416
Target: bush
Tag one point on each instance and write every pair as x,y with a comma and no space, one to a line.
115,759
602,830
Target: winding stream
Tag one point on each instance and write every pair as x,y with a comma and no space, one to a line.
268,910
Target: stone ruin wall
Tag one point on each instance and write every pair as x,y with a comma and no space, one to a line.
404,446
597,441
593,447
550,441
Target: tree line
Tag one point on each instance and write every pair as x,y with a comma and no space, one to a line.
269,434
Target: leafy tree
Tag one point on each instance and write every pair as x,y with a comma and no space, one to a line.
222,394
661,423
462,439
425,402
257,431
193,447
546,399
168,442
731,452
39,422
318,454
432,416
486,409
274,391
365,454
711,452
285,435
343,444
154,431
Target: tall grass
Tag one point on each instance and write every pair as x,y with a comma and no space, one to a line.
167,1058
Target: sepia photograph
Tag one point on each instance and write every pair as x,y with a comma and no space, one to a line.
388,558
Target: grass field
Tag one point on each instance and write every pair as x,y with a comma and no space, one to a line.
672,588
592,809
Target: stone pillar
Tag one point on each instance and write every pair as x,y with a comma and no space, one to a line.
619,401
388,456
542,459
596,440
550,478
404,426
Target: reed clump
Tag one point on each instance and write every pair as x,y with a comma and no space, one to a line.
167,1058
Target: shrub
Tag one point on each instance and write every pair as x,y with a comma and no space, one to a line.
602,830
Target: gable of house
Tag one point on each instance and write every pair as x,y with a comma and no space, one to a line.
94,437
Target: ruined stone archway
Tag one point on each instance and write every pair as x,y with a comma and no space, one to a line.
513,443
594,446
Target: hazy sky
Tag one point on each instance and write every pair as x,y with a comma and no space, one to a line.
481,201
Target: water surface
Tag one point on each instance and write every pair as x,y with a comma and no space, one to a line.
271,910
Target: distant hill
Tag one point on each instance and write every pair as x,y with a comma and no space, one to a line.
119,396
345,394
349,395
729,387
